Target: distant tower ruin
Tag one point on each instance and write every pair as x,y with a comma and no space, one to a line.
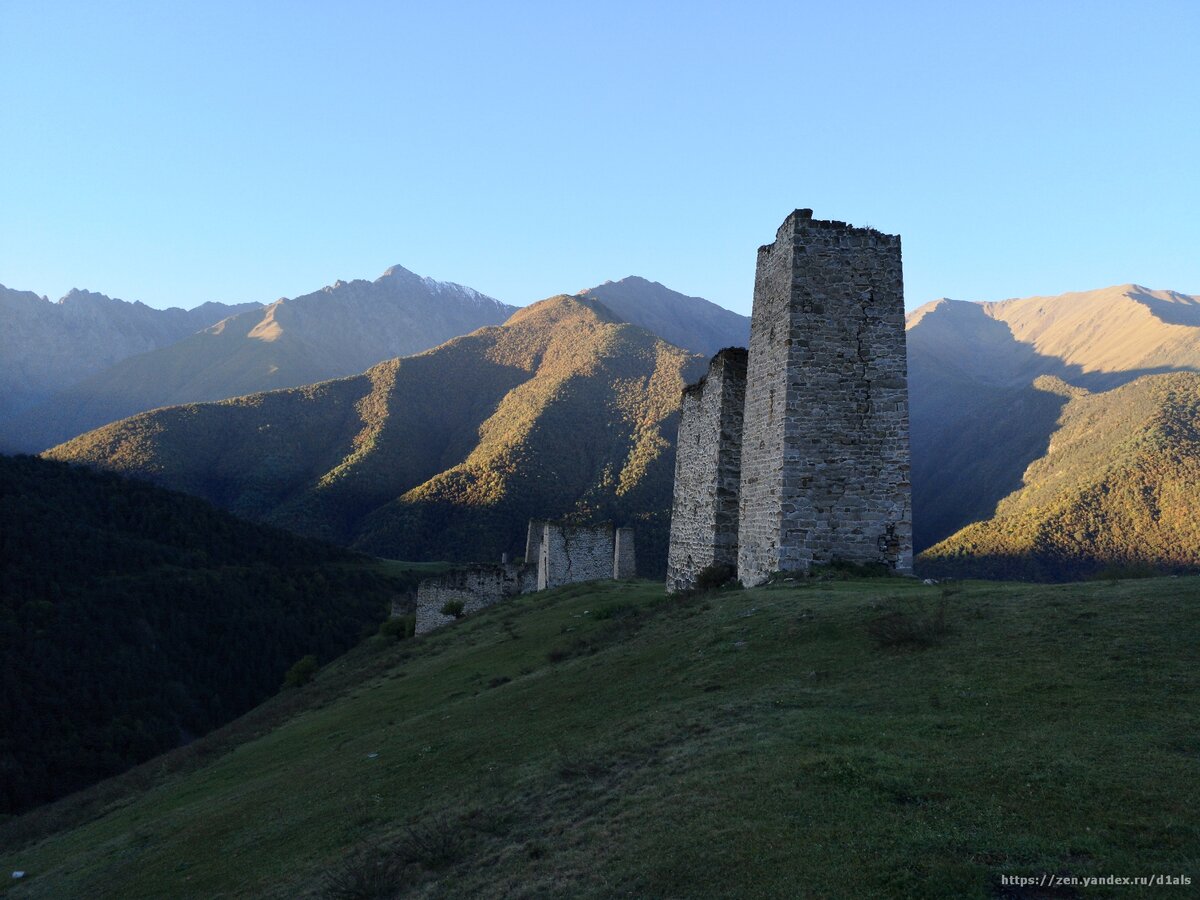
824,458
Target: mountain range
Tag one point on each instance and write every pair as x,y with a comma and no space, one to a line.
369,461
46,347
563,410
979,418
336,331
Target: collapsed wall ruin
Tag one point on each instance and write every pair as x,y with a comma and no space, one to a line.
557,553
823,445
475,587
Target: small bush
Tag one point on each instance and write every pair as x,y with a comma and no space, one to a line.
453,608
614,611
575,765
376,875
1121,572
435,844
916,627
302,672
399,627
710,578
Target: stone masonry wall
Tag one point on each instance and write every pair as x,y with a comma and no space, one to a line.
476,586
624,554
573,553
708,451
825,458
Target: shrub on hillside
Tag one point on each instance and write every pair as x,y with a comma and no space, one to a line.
399,627
917,626
374,875
453,608
709,580
434,844
302,672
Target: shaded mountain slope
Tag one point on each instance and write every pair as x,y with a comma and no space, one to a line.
977,419
46,347
563,410
692,323
337,331
1116,487
133,619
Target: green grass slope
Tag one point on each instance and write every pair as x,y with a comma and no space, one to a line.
1116,488
563,410
600,741
132,618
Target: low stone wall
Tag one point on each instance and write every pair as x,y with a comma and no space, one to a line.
476,587
574,553
558,554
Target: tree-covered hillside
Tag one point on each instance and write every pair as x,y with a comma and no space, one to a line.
133,618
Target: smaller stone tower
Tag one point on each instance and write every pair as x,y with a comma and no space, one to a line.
704,514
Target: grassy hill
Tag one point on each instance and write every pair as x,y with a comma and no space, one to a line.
133,618
1116,487
563,410
600,740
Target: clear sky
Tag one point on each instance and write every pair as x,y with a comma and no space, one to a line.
180,152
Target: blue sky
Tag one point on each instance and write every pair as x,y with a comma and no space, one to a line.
176,153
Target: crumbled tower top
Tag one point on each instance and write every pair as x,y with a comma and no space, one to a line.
802,220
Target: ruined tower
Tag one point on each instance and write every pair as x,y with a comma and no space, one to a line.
708,457
824,457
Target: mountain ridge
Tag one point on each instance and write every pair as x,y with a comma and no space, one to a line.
978,420
45,346
339,330
1115,488
692,323
563,410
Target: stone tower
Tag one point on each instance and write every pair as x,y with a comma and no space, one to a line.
824,456
708,459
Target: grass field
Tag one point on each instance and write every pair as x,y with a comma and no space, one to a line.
599,740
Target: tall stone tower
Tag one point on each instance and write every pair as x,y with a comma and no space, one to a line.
824,456
708,459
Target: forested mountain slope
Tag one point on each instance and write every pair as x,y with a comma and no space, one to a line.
1117,487
133,619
